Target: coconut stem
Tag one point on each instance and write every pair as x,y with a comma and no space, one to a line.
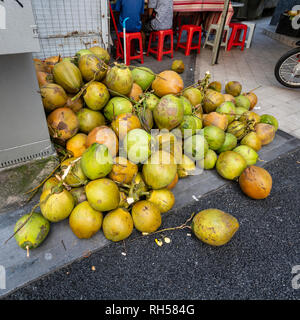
183,226
55,189
200,84
83,88
32,211
122,95
255,88
27,249
23,224
54,170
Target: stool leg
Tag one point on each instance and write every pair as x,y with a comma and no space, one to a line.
172,45
207,36
178,39
250,36
244,39
141,50
231,40
199,43
128,51
189,43
160,47
149,44
238,36
226,38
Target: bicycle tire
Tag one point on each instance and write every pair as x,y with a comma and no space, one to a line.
279,64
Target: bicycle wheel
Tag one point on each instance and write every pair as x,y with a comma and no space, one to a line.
287,69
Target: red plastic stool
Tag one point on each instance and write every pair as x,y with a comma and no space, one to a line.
235,36
177,22
130,52
188,45
159,49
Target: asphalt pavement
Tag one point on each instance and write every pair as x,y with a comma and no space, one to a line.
256,264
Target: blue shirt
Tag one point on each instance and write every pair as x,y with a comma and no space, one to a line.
133,9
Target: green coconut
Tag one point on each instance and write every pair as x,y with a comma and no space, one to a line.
234,88
138,145
215,85
117,225
214,136
209,161
249,154
169,112
229,97
33,232
56,204
146,216
267,118
50,183
117,106
103,194
67,75
239,111
151,101
214,227
119,80
238,129
227,108
80,54
89,119
143,77
92,67
72,172
196,147
186,167
78,195
194,95
101,53
96,95
252,140
242,102
212,100
96,161
187,106
53,96
178,66
230,165
146,118
229,143
84,221
160,170
190,126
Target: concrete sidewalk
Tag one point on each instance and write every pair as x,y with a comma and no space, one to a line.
254,67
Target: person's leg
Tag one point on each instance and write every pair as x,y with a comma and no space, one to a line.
146,30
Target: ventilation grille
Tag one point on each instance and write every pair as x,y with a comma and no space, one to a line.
9,163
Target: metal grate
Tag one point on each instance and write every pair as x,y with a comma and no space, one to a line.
66,26
24,159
